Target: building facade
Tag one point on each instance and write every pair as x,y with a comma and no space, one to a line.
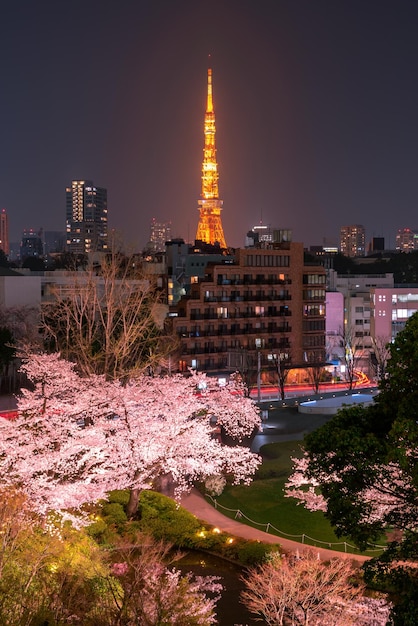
390,310
86,217
31,245
353,240
160,233
266,305
407,239
355,331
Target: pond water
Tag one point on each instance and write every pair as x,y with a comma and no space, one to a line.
230,611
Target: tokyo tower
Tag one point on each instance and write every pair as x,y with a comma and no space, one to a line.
209,228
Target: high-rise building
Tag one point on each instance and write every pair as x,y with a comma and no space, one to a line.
4,232
31,244
352,240
160,232
86,217
209,229
377,244
407,239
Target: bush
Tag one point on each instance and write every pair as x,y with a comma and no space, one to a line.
113,513
119,496
215,485
97,530
164,519
255,552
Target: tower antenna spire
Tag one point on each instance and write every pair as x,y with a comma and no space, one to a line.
209,229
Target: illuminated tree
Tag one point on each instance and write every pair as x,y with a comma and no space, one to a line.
352,353
316,375
47,571
109,320
53,573
301,589
76,439
147,590
364,461
380,356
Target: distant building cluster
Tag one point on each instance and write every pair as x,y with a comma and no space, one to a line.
266,305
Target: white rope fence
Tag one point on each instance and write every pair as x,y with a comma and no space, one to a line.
272,530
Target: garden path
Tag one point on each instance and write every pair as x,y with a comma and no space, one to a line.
196,504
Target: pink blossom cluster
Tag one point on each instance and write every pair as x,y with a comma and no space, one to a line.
75,439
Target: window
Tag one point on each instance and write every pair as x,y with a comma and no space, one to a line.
314,279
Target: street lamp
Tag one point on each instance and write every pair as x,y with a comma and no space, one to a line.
258,346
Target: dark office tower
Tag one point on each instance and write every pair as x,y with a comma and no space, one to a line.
377,244
86,217
4,232
31,245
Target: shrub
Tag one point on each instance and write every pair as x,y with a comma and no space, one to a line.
164,519
215,485
97,530
255,552
113,513
119,496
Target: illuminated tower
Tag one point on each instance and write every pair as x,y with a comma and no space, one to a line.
210,228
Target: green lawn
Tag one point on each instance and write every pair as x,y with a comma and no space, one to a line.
264,502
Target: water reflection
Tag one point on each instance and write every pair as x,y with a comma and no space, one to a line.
230,611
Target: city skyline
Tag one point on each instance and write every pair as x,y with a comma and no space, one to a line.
315,103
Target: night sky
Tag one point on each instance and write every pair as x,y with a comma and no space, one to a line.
316,105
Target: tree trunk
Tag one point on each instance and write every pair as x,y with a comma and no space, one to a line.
132,506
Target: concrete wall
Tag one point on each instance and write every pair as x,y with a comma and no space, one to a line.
20,291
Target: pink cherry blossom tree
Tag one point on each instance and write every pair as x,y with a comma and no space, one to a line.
75,439
302,589
147,589
383,499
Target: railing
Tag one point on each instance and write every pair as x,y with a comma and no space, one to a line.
238,315
262,297
303,538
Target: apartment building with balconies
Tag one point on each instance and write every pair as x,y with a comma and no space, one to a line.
264,305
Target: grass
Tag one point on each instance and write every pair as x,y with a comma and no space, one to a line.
264,502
